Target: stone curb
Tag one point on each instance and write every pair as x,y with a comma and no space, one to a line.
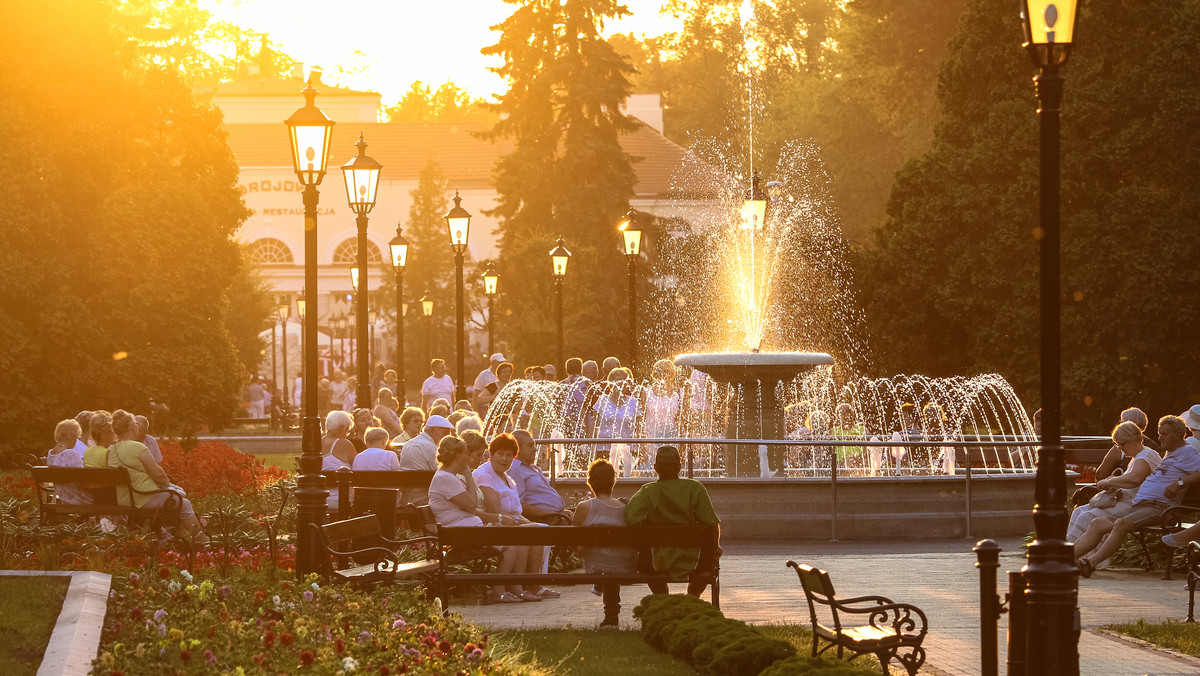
76,636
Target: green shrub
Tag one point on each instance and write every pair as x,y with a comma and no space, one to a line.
696,631
815,666
661,618
704,653
749,656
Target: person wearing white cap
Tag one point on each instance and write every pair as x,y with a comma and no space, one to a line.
420,453
486,386
1191,418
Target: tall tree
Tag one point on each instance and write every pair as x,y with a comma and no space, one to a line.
430,269
953,281
566,173
117,249
447,103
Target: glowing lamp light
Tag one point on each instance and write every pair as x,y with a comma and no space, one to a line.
458,224
309,130
633,235
354,277
559,256
1049,30
300,306
754,207
362,180
399,247
427,306
284,309
490,279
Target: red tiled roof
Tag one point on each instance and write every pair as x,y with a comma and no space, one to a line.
404,148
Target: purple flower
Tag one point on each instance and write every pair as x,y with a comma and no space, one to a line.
162,630
308,596
159,615
209,656
399,624
475,655
224,591
364,637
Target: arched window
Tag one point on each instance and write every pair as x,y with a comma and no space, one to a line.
347,252
269,251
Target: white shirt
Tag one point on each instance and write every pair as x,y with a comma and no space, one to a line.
419,453
439,388
486,377
376,460
80,447
444,487
700,392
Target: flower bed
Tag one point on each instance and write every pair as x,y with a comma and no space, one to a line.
170,621
211,467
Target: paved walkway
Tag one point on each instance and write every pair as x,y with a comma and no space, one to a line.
938,576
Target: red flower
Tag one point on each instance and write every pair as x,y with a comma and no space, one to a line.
269,639
339,646
164,572
212,630
285,639
445,646
307,657
136,613
185,655
383,670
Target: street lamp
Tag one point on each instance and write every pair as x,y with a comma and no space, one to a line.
372,317
361,174
427,310
458,224
300,313
339,323
633,248
284,310
309,131
399,248
559,257
490,280
1052,594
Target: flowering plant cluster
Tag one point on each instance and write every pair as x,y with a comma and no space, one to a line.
172,621
213,467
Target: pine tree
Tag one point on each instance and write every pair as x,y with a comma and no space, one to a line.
430,268
566,174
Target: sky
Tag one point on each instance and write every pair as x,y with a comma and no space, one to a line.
387,44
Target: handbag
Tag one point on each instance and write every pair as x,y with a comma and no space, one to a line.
1105,499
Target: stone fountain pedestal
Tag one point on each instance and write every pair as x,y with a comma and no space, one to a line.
754,411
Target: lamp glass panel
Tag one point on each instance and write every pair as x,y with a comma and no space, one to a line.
560,265
633,241
753,213
361,186
354,277
310,156
1051,21
459,228
399,255
489,284
300,307
427,307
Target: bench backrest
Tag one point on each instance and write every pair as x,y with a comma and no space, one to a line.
425,518
818,590
86,478
365,526
704,536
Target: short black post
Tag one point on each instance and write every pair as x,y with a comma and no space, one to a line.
988,554
1017,623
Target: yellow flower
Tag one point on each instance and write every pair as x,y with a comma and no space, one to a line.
175,634
352,606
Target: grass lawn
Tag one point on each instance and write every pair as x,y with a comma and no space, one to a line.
588,652
284,461
29,608
583,652
1171,634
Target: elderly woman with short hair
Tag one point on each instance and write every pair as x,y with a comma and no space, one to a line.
66,435
336,450
385,410
411,422
146,476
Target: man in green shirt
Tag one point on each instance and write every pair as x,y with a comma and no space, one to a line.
674,501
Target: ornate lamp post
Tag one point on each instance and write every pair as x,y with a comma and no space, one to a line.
372,317
339,323
354,304
490,280
309,131
633,248
1053,580
362,184
458,224
399,248
427,310
284,310
301,314
559,257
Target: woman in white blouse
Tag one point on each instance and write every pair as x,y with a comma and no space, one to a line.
500,496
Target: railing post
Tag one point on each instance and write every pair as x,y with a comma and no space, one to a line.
1017,621
990,608
691,465
833,500
967,488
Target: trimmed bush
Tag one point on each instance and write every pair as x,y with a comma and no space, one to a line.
692,633
749,656
815,666
704,653
661,618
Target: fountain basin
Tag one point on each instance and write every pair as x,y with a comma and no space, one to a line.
734,367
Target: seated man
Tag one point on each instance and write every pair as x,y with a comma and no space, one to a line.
376,457
1164,488
539,501
672,501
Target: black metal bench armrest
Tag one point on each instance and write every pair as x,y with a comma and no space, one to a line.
382,552
864,599
897,615
1173,517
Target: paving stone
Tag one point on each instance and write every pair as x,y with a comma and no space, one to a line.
938,576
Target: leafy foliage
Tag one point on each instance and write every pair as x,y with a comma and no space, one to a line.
211,467
953,280
117,247
447,103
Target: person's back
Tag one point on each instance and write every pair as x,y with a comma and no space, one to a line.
128,454
376,457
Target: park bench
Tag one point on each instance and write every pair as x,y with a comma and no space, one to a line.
1193,578
102,484
636,537
343,479
378,562
1173,520
477,559
891,627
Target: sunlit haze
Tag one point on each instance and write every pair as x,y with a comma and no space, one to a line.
385,46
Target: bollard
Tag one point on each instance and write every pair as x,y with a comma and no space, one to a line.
342,477
1016,623
990,608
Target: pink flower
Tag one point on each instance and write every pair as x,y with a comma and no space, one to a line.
209,656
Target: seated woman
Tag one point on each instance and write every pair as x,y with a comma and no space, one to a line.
605,510
477,446
363,420
337,452
102,437
377,457
1127,438
500,497
1164,488
66,434
412,420
145,475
